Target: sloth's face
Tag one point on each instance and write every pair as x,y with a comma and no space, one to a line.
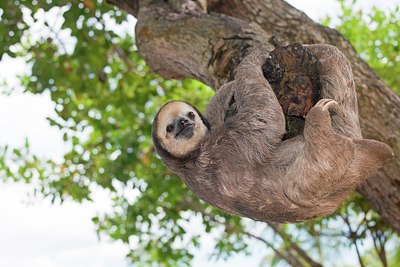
179,128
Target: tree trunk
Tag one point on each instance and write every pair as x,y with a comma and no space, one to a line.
179,38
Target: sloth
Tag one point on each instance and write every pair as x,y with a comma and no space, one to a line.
242,165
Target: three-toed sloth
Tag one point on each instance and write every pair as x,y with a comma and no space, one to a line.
241,164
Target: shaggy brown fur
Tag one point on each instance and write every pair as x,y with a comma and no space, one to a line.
242,165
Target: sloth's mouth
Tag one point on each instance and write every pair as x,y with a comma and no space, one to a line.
186,130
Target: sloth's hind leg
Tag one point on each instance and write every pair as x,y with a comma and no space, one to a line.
317,171
318,126
337,82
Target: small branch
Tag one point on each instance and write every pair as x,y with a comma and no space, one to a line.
288,257
122,55
132,6
294,246
353,238
379,240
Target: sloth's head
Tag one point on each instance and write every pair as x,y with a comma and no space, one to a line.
178,129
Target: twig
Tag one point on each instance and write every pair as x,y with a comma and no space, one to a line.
287,256
294,246
353,239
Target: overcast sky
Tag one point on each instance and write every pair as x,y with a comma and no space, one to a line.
42,235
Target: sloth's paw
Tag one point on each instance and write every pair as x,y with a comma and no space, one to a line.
319,114
326,103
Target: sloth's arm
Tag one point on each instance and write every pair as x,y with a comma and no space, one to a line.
259,123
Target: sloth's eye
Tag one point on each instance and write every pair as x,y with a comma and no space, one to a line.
191,115
170,128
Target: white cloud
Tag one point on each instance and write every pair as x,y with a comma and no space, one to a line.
52,235
24,116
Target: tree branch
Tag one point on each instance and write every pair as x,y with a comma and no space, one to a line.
292,245
130,6
289,255
209,50
353,237
286,256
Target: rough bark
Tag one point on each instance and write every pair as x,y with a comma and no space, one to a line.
293,73
178,38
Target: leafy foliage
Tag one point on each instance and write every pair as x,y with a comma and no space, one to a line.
375,36
106,98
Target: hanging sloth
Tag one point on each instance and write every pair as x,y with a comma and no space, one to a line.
240,162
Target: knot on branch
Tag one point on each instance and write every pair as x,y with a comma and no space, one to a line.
293,74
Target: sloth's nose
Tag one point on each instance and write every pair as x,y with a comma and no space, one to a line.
183,122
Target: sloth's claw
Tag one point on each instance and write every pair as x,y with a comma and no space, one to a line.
326,103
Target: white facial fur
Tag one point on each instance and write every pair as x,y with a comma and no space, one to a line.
182,146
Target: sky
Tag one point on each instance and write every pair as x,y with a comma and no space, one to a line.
36,233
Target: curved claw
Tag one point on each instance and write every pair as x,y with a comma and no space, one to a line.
326,103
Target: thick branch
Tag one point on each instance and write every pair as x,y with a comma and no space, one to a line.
207,47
